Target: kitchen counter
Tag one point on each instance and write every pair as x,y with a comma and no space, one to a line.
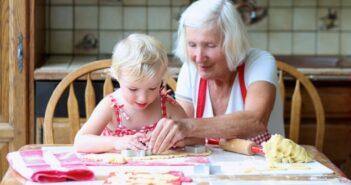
316,68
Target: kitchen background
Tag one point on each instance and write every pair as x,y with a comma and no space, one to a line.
291,27
313,35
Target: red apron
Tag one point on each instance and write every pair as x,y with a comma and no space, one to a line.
201,100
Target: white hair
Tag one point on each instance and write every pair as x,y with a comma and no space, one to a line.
219,14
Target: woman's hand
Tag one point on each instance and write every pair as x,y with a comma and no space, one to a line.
166,134
132,142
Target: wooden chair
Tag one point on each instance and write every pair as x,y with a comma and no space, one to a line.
286,71
87,72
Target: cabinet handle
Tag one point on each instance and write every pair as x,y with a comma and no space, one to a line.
20,53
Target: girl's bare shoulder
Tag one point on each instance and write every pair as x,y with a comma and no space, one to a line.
174,109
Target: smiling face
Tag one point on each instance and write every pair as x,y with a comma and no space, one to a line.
140,94
204,48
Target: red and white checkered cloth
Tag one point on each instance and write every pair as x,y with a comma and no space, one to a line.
265,136
45,166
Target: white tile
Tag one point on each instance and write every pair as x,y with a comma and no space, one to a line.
61,42
176,13
304,43
134,18
165,38
280,19
280,3
86,17
111,17
159,18
262,2
304,19
134,2
328,43
280,43
180,2
259,26
345,2
108,39
259,40
329,3
346,43
127,33
110,2
304,3
55,2
345,19
61,17
174,40
159,2
86,2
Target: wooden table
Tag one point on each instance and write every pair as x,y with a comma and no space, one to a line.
13,178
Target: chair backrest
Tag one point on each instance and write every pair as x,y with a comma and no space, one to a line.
286,71
87,72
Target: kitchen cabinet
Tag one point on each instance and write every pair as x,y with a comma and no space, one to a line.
18,53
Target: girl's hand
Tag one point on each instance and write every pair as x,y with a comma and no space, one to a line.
131,142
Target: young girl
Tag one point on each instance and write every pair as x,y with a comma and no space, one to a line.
123,119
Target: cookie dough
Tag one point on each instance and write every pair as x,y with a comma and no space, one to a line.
282,150
117,158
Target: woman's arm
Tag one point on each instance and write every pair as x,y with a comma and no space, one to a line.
177,112
243,124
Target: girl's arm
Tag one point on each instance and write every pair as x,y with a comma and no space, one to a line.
89,139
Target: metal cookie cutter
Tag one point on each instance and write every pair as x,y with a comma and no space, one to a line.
133,153
196,149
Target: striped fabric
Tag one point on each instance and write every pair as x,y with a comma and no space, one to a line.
45,166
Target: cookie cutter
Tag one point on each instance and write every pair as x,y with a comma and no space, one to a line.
133,153
196,149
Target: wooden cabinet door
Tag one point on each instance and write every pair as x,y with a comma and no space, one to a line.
14,80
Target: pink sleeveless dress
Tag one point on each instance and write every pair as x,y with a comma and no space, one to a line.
122,130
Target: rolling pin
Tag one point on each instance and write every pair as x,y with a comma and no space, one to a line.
241,146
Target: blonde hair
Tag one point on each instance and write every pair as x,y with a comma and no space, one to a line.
219,14
139,57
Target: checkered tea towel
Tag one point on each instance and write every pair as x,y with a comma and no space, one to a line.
45,166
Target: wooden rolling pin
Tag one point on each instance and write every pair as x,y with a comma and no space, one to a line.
241,146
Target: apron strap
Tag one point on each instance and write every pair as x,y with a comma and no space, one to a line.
201,100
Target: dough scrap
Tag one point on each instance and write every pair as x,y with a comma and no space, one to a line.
117,158
282,150
110,158
149,178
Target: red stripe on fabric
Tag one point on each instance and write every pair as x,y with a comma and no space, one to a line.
242,81
201,98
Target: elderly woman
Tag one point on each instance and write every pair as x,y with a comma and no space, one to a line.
229,89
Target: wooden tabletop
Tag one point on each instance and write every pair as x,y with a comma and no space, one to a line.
13,178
